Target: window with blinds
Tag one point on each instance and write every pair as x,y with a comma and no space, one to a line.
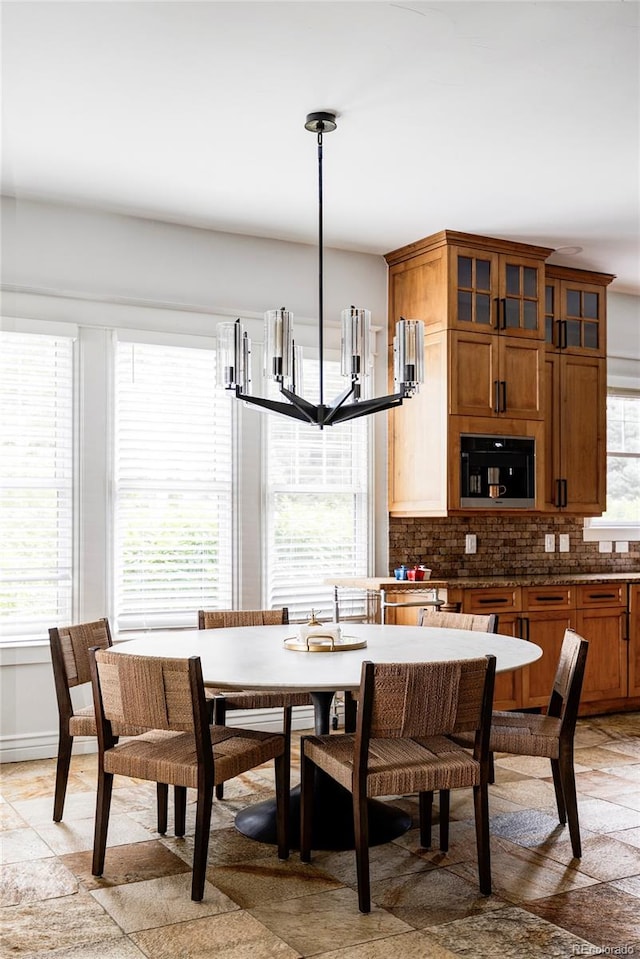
317,515
173,486
36,477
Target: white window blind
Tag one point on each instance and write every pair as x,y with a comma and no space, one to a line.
317,513
173,487
36,477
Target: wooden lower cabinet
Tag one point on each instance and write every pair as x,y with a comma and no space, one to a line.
542,614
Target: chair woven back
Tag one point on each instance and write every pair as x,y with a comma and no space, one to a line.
220,618
149,691
567,685
475,621
418,700
70,647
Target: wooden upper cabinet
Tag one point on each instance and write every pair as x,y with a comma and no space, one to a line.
575,311
496,292
495,376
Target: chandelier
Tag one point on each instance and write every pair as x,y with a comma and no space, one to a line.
283,359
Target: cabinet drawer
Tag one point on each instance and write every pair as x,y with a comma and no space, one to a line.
548,597
491,600
604,595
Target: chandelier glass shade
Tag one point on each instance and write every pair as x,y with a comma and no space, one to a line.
283,358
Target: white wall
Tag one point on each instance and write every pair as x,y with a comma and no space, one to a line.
105,270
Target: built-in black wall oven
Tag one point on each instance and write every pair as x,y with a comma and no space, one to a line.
497,472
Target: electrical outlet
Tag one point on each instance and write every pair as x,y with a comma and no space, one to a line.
605,546
550,543
622,546
563,540
470,543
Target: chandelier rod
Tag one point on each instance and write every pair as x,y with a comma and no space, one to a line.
320,268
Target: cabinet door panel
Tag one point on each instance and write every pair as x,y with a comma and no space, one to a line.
473,373
520,369
606,672
547,631
583,433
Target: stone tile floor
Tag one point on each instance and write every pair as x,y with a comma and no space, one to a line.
426,904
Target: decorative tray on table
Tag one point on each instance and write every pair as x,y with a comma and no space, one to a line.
316,637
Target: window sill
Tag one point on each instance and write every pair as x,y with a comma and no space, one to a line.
599,534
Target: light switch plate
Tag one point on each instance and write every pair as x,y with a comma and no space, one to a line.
550,543
622,546
563,540
470,543
605,546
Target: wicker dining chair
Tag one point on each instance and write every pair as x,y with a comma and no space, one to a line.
223,700
166,696
552,735
475,621
70,647
401,745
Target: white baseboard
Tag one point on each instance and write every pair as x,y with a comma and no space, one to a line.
23,748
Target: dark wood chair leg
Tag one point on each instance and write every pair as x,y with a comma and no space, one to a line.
162,793
219,718
283,784
201,844
361,830
444,805
425,806
103,805
492,769
567,774
62,774
481,808
180,809
557,785
350,712
307,774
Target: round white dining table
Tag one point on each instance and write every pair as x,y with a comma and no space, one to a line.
255,657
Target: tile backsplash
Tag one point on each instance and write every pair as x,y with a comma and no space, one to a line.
505,545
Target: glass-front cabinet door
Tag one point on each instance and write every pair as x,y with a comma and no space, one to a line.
575,312
496,292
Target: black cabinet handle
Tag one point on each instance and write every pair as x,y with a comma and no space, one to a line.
503,306
492,602
564,493
558,496
503,405
549,599
496,396
524,627
563,335
603,596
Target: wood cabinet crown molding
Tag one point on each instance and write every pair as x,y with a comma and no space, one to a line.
452,237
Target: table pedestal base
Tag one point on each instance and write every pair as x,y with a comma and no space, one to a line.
333,823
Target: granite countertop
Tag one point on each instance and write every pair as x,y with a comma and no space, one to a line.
484,582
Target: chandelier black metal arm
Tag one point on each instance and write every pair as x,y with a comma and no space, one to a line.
321,415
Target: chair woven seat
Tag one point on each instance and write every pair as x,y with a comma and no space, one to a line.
83,723
524,734
397,766
171,757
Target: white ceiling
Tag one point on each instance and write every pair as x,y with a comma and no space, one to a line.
516,119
